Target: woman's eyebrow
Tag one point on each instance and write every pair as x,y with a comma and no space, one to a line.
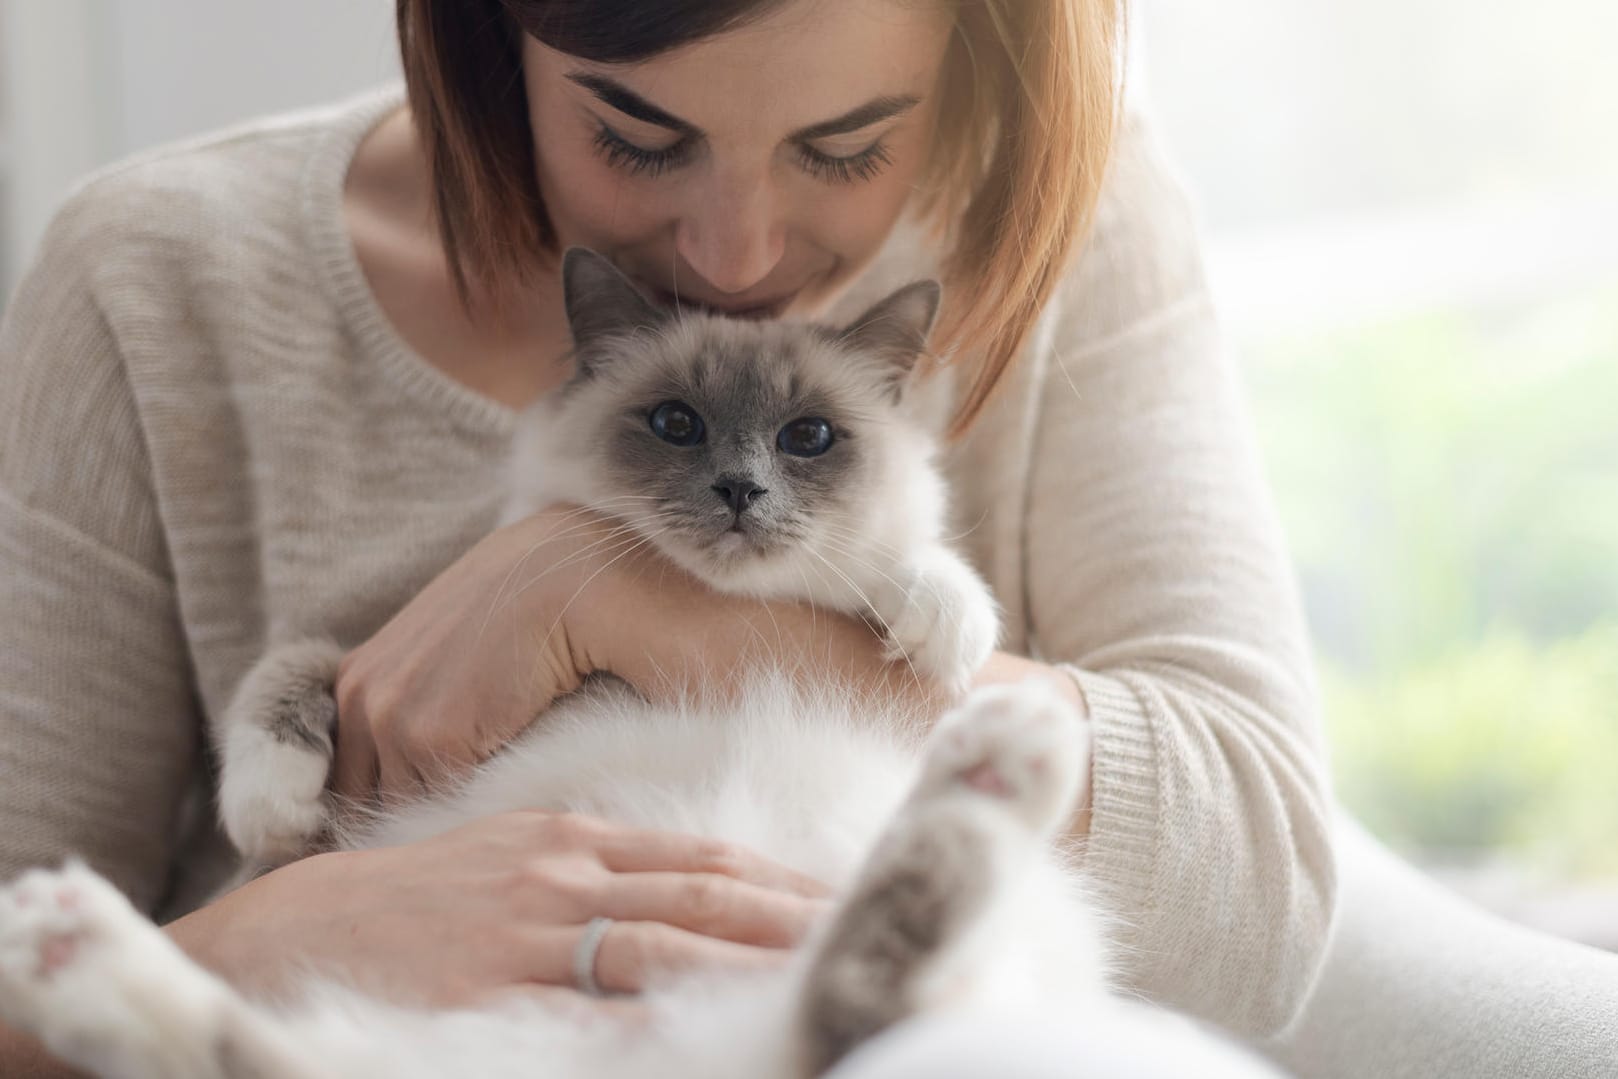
618,96
873,111
626,101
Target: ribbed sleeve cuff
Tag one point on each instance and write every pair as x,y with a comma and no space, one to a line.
1121,852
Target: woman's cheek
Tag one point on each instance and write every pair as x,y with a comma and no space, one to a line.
601,208
854,220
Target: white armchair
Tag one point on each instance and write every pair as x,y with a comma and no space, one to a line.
1419,983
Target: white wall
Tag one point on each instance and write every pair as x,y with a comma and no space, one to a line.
85,82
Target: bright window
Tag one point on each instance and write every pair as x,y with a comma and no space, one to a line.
1412,216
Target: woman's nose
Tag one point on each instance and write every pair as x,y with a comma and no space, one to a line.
731,235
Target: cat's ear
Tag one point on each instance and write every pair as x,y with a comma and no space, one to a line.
601,302
893,332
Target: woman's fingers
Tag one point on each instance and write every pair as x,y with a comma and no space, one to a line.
355,773
418,760
714,906
636,850
633,954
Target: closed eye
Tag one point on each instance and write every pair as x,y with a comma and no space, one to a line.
620,153
865,165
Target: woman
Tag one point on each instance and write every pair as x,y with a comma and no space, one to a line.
259,387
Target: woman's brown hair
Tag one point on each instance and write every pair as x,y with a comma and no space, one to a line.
1031,89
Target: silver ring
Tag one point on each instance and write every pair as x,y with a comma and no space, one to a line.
584,956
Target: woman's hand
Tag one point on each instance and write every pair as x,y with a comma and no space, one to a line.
499,905
467,663
523,617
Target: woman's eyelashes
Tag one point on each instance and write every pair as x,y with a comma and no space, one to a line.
620,153
864,165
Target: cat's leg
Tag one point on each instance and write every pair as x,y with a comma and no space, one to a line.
276,743
1000,778
938,615
105,990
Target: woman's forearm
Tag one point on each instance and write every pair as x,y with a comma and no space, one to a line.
719,635
683,635
1006,667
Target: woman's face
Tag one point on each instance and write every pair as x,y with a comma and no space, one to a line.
755,172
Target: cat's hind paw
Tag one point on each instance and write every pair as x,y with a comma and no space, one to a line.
43,928
107,991
1021,745
81,969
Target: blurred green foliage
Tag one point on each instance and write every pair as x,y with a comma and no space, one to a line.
1450,487
1503,745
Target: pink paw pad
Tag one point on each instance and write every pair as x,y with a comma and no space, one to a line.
984,777
57,951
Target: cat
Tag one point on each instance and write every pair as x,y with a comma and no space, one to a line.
776,460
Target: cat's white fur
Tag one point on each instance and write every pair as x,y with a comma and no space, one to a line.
817,788
832,784
888,559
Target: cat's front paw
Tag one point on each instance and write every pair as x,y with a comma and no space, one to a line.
943,622
272,798
276,748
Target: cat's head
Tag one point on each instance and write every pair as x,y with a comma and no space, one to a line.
739,447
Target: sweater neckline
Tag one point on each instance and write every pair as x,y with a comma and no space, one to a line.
356,304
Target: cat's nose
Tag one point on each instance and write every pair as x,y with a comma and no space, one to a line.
737,492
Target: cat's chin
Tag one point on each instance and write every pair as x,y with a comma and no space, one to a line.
732,549
720,560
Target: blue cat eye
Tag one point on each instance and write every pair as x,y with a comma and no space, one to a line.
808,437
677,422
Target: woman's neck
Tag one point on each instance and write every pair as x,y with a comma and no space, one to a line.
512,354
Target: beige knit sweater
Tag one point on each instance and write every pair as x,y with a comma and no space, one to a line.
209,434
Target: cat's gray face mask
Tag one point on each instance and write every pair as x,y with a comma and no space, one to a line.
739,436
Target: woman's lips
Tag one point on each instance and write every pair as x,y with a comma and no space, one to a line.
755,309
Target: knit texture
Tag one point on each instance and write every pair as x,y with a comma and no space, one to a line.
211,437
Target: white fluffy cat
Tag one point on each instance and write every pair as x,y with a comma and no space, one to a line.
768,459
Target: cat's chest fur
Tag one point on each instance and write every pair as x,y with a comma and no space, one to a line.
767,460
806,774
